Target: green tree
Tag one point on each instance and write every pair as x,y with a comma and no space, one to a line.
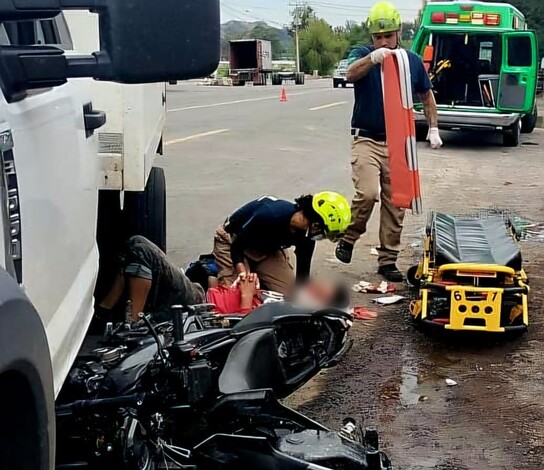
320,47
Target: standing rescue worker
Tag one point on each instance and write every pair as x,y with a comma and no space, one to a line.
370,161
254,239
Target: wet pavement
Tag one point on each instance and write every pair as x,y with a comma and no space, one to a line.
491,415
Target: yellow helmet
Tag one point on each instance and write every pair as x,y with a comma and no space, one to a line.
383,18
335,212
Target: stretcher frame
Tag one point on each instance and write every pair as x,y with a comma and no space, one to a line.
482,297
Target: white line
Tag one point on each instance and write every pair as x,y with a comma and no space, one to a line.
325,106
226,103
196,136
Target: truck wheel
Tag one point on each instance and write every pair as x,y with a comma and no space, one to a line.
299,79
145,211
27,397
511,135
276,80
334,84
528,122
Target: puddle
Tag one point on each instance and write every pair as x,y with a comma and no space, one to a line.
409,381
407,395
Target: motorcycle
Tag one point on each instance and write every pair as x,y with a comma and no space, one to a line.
202,391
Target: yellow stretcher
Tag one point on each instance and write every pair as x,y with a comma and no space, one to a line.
470,277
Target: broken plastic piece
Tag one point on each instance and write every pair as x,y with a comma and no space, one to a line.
450,382
389,300
362,313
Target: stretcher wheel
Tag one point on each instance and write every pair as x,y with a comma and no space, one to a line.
411,277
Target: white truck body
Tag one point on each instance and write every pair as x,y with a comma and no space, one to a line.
57,202
55,219
136,115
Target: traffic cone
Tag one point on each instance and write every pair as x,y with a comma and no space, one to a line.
283,96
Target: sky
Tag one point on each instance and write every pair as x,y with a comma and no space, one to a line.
336,12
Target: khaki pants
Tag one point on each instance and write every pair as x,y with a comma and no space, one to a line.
275,272
370,170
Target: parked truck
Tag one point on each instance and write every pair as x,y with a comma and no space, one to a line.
250,61
63,191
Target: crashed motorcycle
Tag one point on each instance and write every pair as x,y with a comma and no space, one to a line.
202,392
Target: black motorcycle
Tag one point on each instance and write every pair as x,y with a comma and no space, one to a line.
202,392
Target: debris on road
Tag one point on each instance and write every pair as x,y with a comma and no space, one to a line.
383,288
362,313
388,300
451,383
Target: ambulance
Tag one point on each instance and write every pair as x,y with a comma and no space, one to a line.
483,62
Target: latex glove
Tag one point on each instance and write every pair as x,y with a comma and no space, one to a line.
378,56
434,137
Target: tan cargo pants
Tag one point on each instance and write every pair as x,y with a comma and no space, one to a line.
276,272
370,170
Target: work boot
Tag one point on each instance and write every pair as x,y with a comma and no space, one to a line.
391,273
343,252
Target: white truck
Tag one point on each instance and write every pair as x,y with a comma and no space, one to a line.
61,187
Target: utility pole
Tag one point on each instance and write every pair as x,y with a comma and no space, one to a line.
296,20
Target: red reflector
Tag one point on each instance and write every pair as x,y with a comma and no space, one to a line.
467,7
438,18
492,19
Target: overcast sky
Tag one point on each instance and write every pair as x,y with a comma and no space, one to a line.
336,12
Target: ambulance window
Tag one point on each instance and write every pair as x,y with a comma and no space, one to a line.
520,53
486,51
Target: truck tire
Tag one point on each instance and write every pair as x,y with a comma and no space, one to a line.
145,212
276,80
528,122
299,79
511,135
27,397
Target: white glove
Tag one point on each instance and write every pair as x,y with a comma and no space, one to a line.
377,56
434,137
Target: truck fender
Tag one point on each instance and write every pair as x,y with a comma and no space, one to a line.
27,399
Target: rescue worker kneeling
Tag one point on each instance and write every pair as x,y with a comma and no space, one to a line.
255,238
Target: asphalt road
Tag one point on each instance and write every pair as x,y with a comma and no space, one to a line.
226,145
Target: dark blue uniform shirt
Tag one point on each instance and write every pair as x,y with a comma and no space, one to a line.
264,225
368,111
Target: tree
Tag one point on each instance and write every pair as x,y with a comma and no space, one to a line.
320,48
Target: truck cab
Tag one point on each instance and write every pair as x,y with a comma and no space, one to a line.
483,62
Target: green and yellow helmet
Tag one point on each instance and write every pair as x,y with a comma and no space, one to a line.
334,211
383,18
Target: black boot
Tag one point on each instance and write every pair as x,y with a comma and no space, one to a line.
391,273
343,252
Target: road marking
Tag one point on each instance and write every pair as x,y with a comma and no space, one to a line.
248,100
196,136
325,106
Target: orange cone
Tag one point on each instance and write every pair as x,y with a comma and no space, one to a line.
283,96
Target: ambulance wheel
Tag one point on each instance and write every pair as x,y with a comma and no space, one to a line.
411,277
421,132
511,135
528,122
